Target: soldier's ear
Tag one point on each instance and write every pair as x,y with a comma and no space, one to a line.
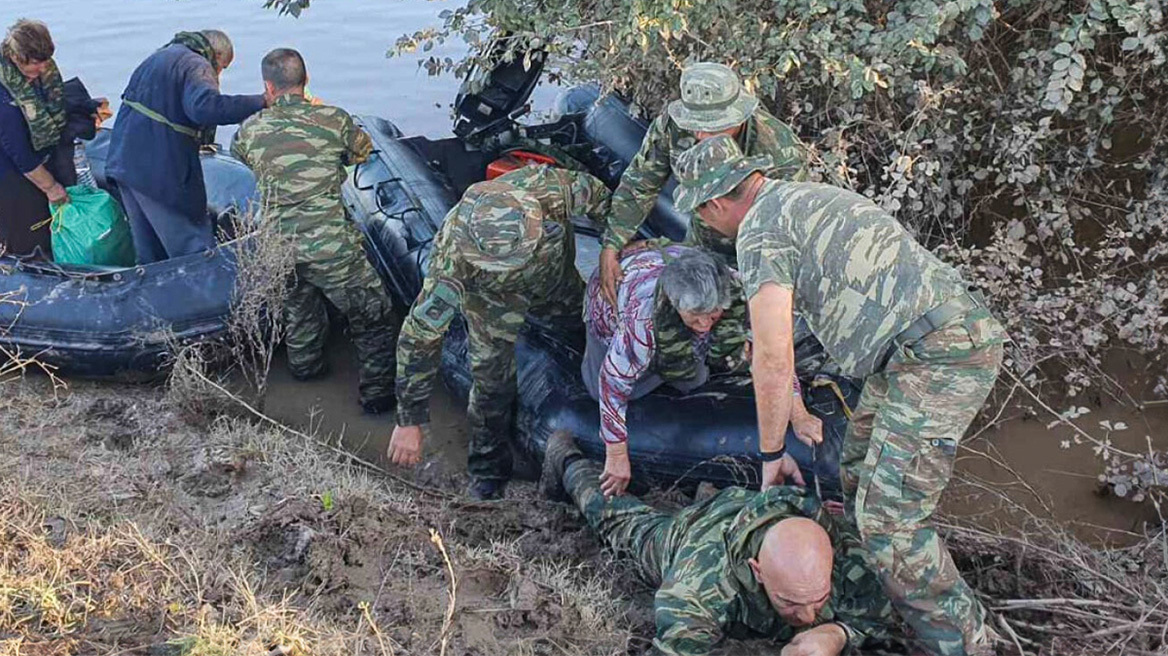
755,569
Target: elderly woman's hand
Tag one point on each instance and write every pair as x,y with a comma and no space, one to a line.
617,470
57,194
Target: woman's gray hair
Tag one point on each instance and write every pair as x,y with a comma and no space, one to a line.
221,44
696,282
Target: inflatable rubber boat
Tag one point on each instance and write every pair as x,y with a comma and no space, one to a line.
113,322
121,322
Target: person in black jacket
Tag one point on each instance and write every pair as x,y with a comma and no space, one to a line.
169,110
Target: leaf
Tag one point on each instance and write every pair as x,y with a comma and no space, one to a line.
1130,43
326,500
1063,48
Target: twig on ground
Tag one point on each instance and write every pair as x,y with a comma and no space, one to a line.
436,538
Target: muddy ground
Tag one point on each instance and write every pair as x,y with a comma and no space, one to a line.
128,526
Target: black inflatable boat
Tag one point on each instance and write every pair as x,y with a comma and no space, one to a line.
106,322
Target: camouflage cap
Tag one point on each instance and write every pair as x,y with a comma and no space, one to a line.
712,99
712,169
500,226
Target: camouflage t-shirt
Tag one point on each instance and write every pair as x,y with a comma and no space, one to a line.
299,152
859,278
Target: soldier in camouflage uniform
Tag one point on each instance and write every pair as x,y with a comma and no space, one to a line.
506,250
740,564
299,151
887,310
712,102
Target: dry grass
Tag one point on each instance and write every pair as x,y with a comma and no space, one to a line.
141,534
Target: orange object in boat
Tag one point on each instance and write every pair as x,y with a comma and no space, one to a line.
516,159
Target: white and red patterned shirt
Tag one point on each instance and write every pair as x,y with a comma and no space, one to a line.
629,336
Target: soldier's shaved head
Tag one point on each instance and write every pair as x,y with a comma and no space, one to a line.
284,69
794,564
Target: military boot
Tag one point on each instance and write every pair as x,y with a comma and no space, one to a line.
561,447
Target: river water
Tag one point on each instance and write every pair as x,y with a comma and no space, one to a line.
344,43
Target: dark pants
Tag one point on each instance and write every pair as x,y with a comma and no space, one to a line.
23,205
161,232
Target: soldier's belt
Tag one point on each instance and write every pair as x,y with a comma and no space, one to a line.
938,317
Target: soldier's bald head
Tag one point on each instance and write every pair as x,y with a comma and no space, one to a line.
284,68
794,564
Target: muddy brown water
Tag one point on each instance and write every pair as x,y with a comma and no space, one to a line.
1022,457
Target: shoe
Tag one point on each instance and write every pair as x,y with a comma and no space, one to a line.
487,489
379,404
560,446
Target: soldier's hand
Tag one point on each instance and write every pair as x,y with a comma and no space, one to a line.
617,470
405,446
808,428
610,275
823,640
779,471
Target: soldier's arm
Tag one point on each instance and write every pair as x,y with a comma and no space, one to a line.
419,348
238,145
859,602
639,186
358,145
689,608
589,196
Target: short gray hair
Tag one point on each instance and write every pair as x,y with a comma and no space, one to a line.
695,282
221,45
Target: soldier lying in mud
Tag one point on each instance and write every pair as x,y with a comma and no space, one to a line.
739,564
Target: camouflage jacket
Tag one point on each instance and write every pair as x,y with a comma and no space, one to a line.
563,195
647,174
709,592
299,152
859,278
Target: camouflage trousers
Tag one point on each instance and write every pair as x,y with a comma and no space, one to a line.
491,335
898,457
628,526
349,283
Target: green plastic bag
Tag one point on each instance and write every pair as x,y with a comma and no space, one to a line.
91,229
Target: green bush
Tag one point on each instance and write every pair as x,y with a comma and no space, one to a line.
1024,140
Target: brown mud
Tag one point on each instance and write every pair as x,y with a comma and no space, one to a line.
1022,455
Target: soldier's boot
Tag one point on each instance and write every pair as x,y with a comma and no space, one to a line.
561,450
487,489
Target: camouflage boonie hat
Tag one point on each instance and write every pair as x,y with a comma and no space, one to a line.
500,226
712,99
712,169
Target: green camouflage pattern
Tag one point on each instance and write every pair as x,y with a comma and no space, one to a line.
896,460
299,152
712,171
859,278
495,305
350,283
712,99
43,111
646,175
499,226
698,560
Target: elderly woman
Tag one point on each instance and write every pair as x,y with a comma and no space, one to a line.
669,299
32,120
